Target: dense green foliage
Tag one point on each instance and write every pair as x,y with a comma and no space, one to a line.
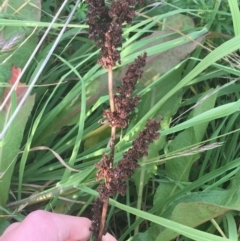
188,186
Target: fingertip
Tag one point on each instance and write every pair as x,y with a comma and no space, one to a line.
108,237
11,228
80,228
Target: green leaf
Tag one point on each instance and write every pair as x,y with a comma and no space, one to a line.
10,149
199,208
171,225
178,22
18,42
12,140
139,237
178,169
3,225
196,212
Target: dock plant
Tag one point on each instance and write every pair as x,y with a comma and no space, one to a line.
105,28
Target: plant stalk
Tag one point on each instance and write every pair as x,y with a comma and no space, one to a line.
110,88
112,145
103,219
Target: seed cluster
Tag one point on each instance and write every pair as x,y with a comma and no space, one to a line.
114,178
96,218
105,27
124,102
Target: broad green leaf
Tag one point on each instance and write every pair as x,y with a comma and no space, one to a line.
17,43
139,237
200,207
179,228
178,169
3,225
12,140
196,212
10,148
178,22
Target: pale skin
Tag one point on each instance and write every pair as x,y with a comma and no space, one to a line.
45,226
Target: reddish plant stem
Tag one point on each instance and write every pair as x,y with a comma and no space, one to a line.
110,88
111,156
112,108
103,218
